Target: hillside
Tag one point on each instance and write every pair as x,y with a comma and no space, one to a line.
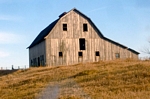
103,80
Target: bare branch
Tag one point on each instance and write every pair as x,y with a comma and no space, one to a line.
146,49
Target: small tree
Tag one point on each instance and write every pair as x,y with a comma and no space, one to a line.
147,49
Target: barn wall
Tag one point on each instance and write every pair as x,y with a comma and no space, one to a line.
132,55
37,55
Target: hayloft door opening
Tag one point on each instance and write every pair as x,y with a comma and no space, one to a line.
82,43
85,27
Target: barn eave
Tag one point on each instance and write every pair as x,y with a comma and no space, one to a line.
133,51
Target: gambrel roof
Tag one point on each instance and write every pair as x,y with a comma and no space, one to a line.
42,34
48,29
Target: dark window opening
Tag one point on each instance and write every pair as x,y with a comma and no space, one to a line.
80,54
64,27
117,55
31,63
85,27
97,53
82,44
60,54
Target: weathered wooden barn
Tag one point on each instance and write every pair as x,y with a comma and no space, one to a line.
73,38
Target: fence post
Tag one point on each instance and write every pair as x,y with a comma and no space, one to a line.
12,67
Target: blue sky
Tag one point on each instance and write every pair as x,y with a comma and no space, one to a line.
124,21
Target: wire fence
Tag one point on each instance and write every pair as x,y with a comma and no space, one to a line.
15,67
144,58
19,67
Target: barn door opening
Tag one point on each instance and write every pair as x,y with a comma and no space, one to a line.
97,56
38,61
80,57
82,43
60,58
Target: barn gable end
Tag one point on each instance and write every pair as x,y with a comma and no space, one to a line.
74,38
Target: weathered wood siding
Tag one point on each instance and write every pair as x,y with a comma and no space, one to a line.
38,54
67,42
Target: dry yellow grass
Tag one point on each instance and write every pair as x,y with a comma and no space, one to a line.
118,79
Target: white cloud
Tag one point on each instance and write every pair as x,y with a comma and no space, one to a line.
9,38
4,54
10,18
5,18
96,9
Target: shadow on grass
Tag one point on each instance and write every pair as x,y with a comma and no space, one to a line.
6,72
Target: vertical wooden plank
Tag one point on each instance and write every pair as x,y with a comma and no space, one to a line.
92,50
110,56
101,49
76,50
71,51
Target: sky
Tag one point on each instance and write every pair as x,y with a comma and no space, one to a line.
124,21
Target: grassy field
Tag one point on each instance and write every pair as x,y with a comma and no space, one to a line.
118,79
